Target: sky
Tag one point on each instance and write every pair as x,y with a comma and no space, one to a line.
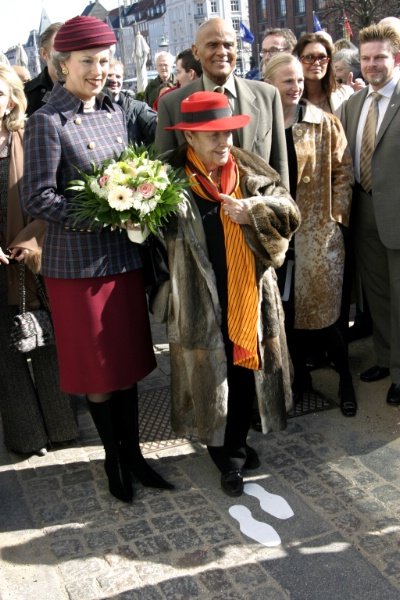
22,16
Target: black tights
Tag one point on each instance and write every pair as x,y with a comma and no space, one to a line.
302,342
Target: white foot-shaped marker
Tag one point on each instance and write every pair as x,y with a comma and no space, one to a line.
270,503
256,530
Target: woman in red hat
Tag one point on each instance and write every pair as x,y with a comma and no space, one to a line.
225,318
93,276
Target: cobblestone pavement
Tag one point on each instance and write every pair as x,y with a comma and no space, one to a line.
62,536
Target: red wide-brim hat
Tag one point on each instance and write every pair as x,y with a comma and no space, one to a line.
208,111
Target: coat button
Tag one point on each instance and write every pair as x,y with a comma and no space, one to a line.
109,116
298,132
91,145
78,121
306,179
119,140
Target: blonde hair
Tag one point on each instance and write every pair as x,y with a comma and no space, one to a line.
380,33
16,118
278,61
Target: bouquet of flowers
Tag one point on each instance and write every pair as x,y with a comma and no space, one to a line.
133,189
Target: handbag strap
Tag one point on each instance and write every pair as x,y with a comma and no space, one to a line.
22,290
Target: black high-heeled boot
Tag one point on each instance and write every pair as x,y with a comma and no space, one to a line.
117,471
125,415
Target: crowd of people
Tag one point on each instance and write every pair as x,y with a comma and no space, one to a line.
290,215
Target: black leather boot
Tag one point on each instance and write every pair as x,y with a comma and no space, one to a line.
125,415
117,471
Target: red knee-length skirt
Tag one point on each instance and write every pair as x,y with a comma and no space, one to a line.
102,332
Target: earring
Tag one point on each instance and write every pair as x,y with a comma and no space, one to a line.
64,71
7,112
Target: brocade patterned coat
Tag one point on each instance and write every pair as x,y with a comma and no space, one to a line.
324,191
199,387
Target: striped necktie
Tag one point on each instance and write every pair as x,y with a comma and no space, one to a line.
368,142
221,90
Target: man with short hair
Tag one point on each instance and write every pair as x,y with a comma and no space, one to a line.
38,89
141,120
187,67
275,41
372,126
164,62
216,49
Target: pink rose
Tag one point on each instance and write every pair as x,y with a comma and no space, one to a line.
146,190
103,180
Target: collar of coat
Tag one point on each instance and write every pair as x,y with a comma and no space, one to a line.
255,172
68,104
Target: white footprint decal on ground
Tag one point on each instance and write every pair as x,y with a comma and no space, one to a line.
270,503
256,530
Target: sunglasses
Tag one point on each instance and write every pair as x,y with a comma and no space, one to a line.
310,59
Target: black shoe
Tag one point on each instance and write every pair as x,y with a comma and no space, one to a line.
393,395
252,461
348,402
232,482
147,476
374,373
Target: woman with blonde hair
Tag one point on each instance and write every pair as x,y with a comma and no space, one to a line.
321,177
34,412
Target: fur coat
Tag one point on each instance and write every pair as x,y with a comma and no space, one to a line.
199,389
324,191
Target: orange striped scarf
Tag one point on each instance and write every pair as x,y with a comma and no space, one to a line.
242,285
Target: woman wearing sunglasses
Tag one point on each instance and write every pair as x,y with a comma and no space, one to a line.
320,87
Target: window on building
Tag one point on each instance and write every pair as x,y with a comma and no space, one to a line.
300,7
263,9
235,6
214,6
200,8
281,8
236,24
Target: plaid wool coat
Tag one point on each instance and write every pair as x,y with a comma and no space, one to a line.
59,139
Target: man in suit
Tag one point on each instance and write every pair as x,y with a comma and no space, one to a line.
377,209
37,90
216,49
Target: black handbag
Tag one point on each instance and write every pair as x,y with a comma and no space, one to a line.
32,329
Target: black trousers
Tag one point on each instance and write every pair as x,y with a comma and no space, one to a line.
241,395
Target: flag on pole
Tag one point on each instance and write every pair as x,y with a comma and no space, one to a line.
316,23
347,27
246,34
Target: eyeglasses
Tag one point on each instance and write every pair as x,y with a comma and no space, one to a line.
272,51
310,59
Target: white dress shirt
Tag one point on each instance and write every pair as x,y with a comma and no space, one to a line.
386,93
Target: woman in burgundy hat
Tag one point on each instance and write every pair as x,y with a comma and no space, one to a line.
93,277
225,317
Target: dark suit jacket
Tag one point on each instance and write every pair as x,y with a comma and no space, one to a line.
37,91
264,135
385,164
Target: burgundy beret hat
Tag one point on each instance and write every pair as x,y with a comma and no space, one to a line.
81,33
